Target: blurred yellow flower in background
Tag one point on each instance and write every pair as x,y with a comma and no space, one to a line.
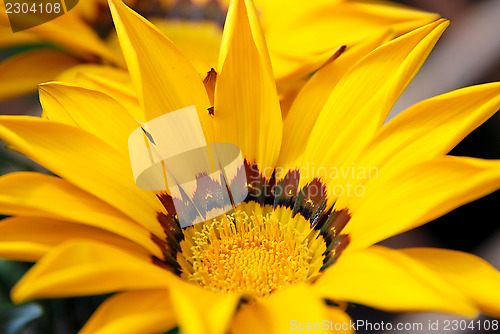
301,36
298,255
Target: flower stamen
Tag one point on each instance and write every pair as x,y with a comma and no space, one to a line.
254,255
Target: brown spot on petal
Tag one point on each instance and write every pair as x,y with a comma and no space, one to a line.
209,83
335,55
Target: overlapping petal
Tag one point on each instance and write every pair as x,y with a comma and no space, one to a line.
284,311
133,312
308,104
431,128
90,110
200,311
30,238
109,80
473,276
22,73
390,280
85,161
394,203
247,111
42,196
78,268
360,102
297,31
164,79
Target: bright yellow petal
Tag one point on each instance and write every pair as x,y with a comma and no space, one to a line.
39,195
340,321
431,128
476,278
132,312
307,105
109,80
247,111
30,238
282,312
80,268
201,311
387,279
397,202
91,110
17,244
298,30
22,73
164,79
198,41
85,161
361,101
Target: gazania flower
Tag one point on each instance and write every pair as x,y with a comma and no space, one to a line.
324,187
196,29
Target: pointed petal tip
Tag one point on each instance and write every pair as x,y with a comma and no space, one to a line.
18,296
246,81
114,8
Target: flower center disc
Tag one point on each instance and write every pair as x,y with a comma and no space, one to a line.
253,255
